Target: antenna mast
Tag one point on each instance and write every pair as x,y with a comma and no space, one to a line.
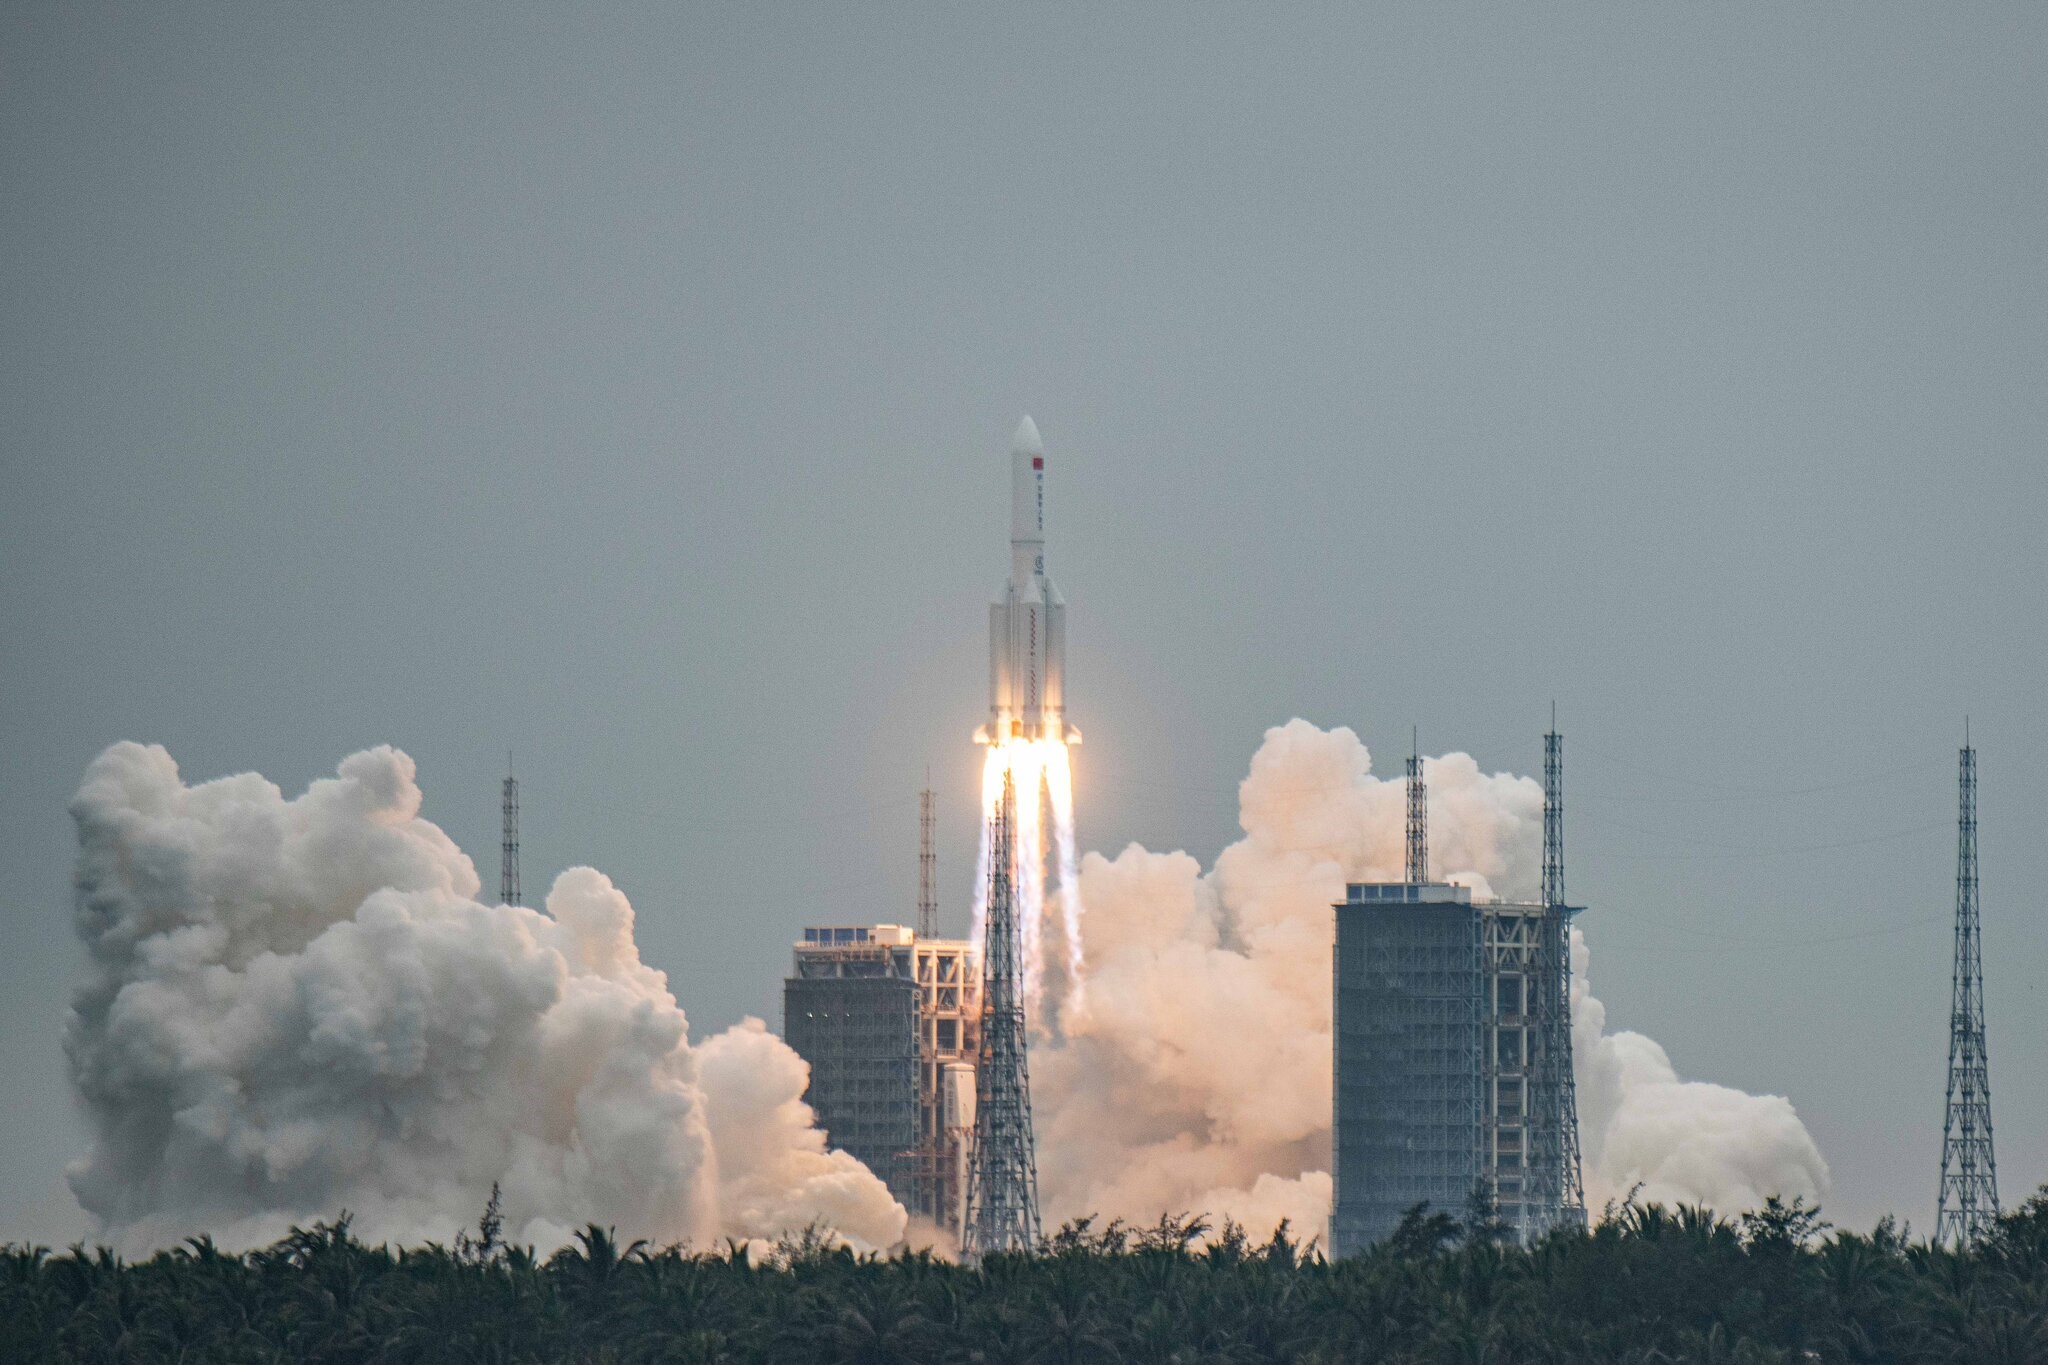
927,865
1418,817
1002,1170
508,851
1968,1205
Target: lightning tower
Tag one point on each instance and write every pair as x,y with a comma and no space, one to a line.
1554,1025
927,867
1968,1205
1418,818
1002,1169
508,851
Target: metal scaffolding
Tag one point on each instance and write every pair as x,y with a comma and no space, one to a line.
890,1024
1968,1204
1002,1172
1518,1156
949,1029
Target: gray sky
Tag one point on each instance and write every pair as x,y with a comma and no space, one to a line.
631,388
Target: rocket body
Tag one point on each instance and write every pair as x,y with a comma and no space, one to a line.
1027,626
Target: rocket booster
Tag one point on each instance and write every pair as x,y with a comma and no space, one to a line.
1027,627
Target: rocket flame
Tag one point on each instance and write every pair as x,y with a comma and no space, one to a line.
1042,775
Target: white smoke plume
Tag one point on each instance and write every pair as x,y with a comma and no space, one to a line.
1681,1141
300,1006
1196,1077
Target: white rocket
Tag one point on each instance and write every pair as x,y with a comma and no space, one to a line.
1027,629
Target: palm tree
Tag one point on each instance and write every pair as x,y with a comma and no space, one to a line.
600,1258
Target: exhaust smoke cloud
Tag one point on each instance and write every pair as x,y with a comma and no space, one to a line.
299,1006
1196,1075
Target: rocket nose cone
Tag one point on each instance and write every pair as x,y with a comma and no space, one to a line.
1026,441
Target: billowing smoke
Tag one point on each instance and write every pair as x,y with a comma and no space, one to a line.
1196,1076
1681,1141
299,1006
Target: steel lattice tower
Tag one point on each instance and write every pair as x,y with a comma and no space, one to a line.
1968,1204
1002,1168
1553,815
1557,1002
1418,818
927,867
508,851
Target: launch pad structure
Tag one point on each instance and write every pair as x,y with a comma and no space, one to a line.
890,1024
849,1008
889,1019
916,1043
1453,1063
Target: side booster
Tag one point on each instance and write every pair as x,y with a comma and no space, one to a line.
1027,628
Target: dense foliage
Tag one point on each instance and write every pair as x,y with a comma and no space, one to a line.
1645,1285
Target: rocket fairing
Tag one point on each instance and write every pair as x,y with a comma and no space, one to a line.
1027,628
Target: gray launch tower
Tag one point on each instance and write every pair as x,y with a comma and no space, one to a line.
1453,1044
1968,1204
1002,1171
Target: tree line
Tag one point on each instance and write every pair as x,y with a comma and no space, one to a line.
1645,1285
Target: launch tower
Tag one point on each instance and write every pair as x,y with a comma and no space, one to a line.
889,1022
1002,1173
889,1019
1453,1045
1968,1205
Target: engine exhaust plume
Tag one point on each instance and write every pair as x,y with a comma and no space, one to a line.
1043,781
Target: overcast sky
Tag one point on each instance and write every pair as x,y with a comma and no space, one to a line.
630,388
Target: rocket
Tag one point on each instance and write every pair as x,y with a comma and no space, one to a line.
1027,626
